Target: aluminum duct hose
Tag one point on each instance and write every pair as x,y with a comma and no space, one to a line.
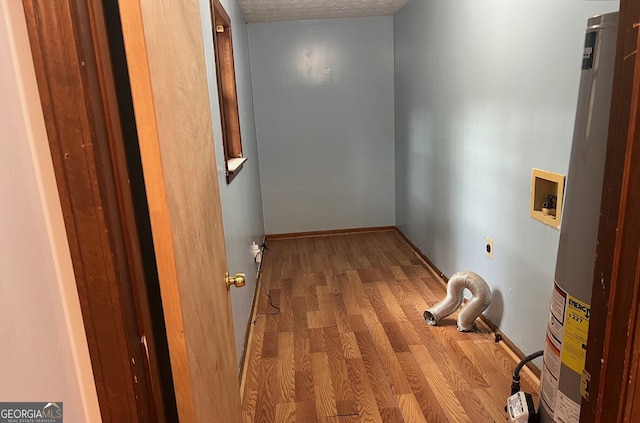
480,300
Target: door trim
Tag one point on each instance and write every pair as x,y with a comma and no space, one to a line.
73,71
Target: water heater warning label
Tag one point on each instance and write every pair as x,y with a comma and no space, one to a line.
555,325
567,329
567,410
558,302
551,362
576,329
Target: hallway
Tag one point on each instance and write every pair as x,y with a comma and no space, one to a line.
343,340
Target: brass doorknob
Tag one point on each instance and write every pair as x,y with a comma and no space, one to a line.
238,280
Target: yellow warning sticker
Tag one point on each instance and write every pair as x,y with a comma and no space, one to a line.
576,329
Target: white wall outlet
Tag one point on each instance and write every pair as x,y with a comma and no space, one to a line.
489,248
255,249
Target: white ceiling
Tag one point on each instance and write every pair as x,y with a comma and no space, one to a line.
291,10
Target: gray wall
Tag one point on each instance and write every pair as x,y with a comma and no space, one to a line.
241,200
484,91
323,96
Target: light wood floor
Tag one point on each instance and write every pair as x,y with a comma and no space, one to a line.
349,343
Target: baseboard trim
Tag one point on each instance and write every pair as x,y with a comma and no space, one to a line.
248,345
331,232
424,258
508,344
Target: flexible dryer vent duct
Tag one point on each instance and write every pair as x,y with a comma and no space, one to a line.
480,300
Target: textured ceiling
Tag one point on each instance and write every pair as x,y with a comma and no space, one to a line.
291,10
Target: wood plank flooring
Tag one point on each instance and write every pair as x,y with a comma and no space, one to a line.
349,343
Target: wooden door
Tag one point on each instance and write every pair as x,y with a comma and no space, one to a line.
165,55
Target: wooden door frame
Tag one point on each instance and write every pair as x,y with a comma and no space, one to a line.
615,298
73,70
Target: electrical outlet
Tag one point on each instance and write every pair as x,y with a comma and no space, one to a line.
255,250
489,248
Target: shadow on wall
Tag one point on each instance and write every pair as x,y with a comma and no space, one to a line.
520,303
496,308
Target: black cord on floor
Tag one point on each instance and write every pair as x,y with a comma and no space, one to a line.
263,248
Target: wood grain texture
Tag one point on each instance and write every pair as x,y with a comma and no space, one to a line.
165,54
73,67
361,350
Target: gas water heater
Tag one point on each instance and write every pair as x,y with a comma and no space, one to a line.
568,321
